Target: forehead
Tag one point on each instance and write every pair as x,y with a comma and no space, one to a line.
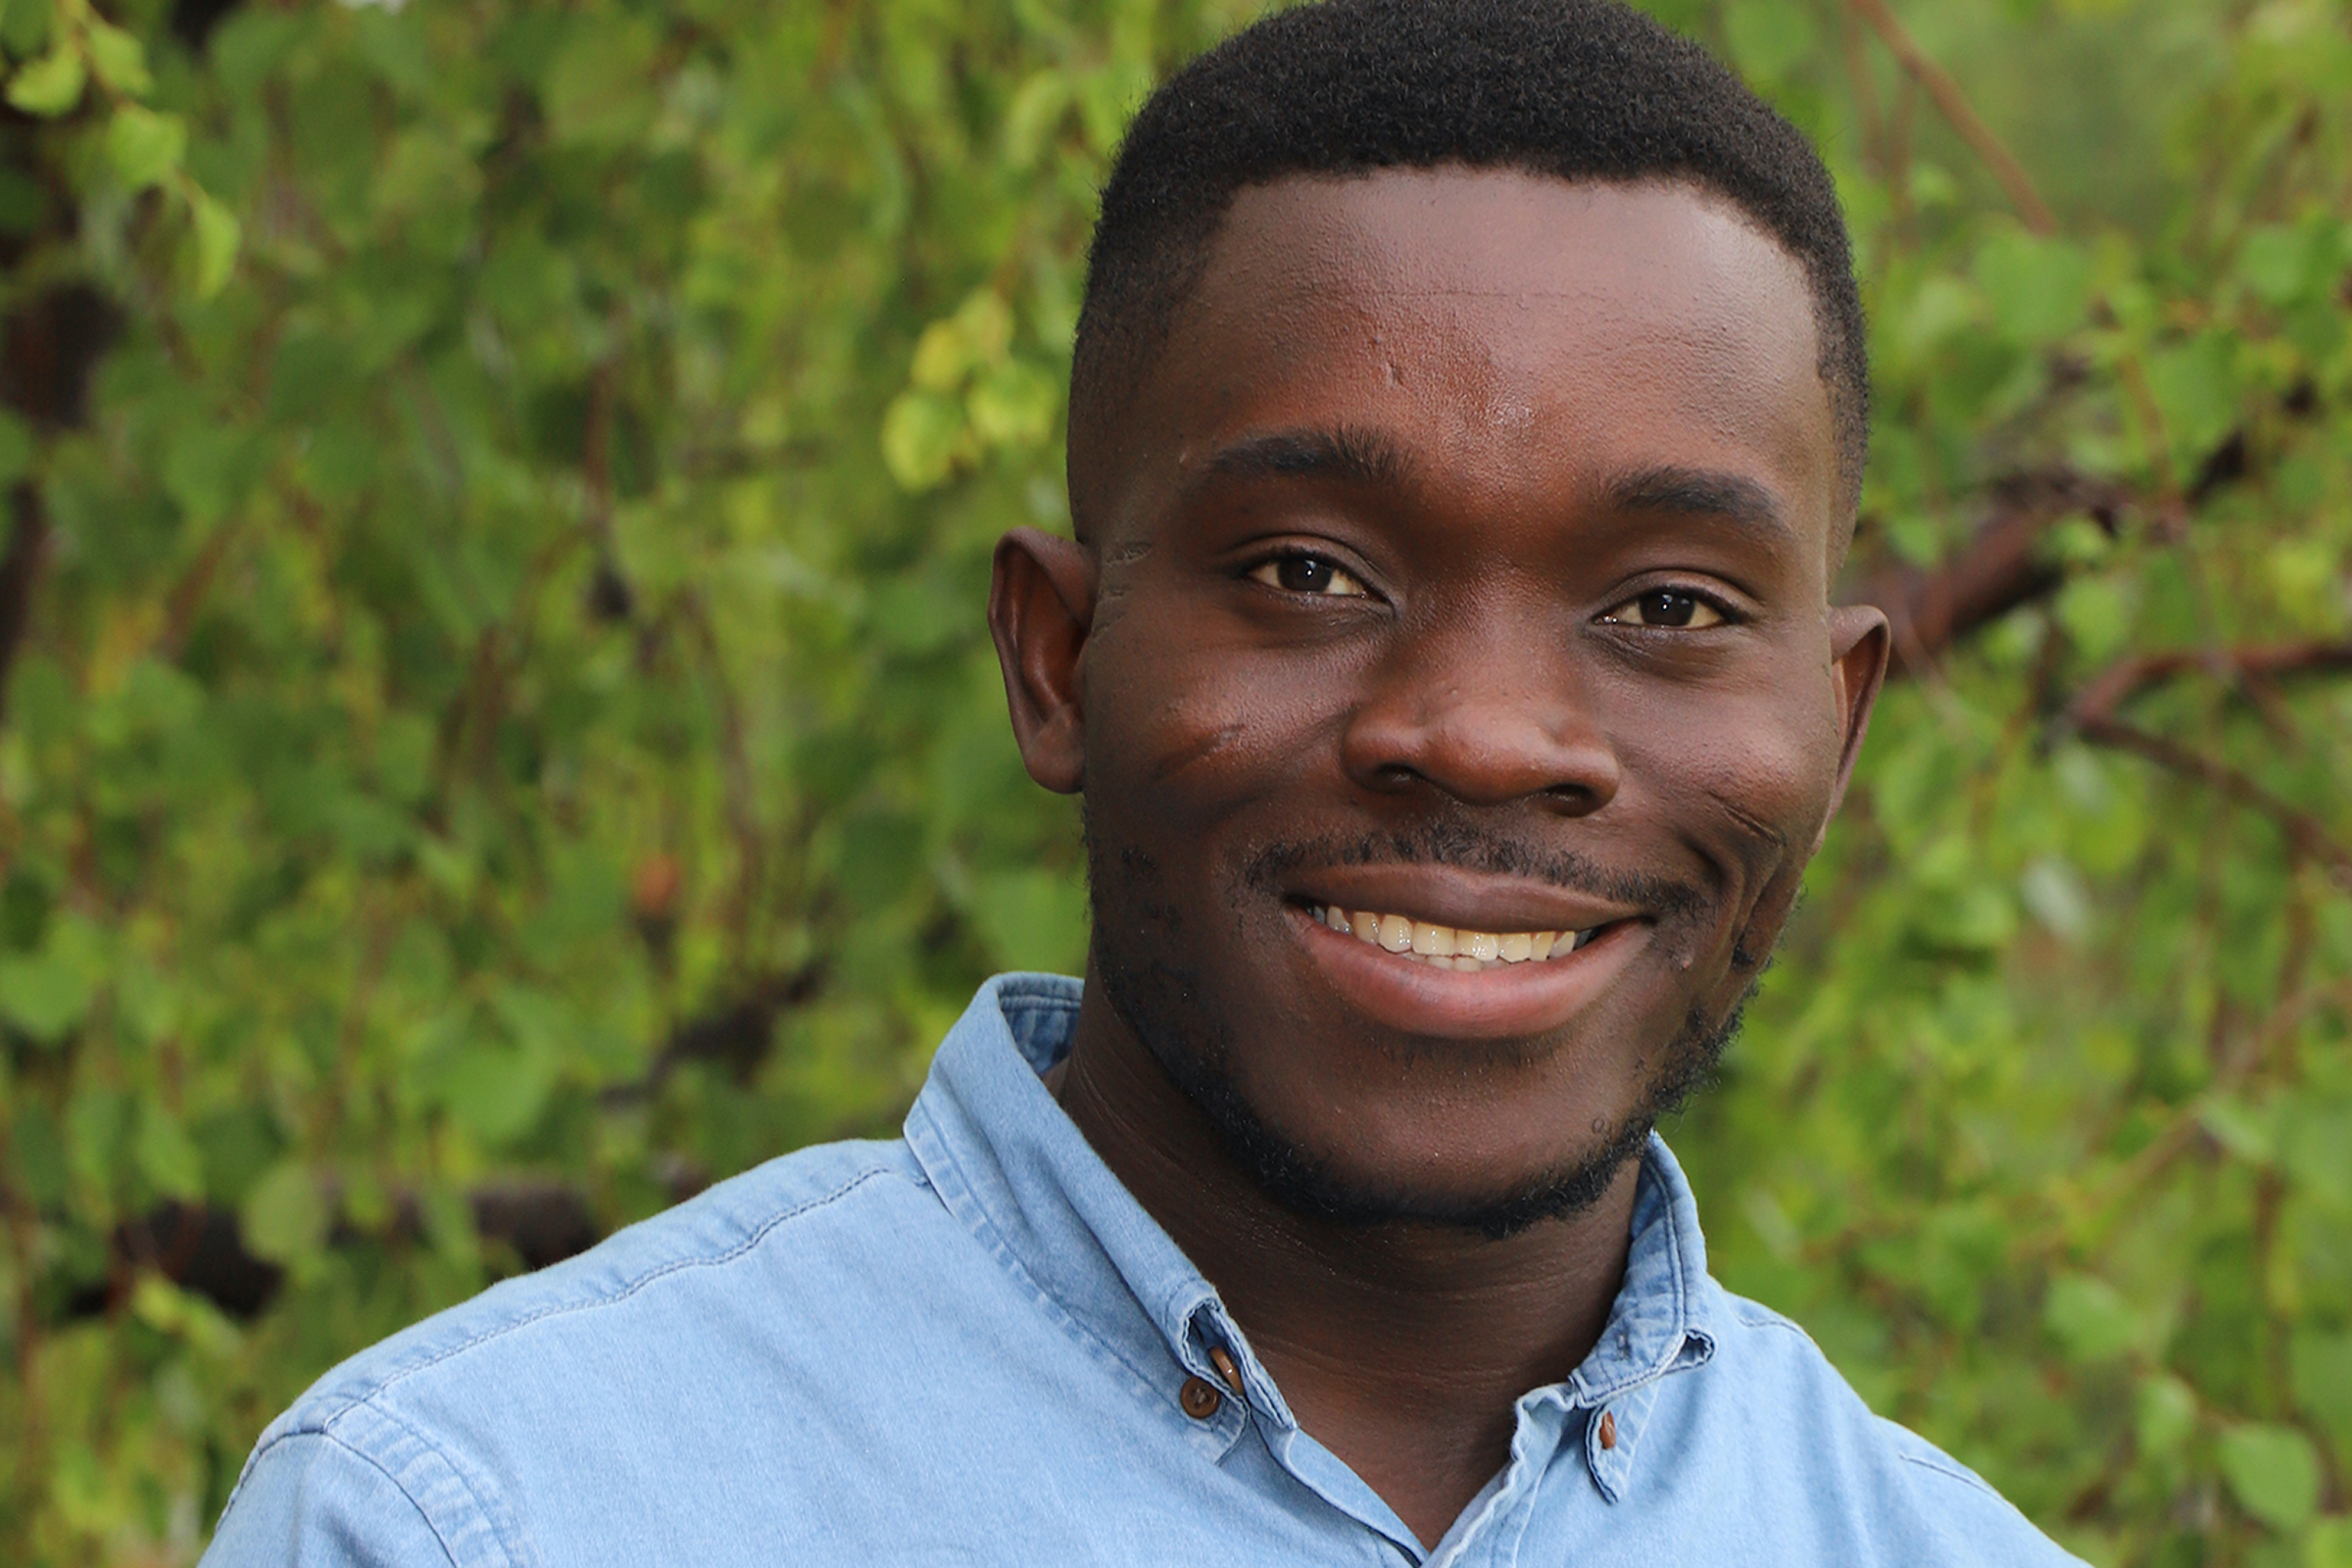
1513,334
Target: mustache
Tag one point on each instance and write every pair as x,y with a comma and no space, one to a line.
1473,847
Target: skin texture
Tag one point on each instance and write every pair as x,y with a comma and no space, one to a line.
1360,618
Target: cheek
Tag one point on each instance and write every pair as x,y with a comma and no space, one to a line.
1183,728
1746,775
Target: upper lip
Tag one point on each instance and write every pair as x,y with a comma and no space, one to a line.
1467,901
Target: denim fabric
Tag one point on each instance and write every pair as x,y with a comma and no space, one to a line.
968,1347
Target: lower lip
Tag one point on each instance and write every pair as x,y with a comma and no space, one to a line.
1510,1001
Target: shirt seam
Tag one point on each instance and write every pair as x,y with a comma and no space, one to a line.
1950,1472
641,1282
327,1434
1770,1321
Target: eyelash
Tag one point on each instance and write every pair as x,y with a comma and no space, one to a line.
1278,558
1725,615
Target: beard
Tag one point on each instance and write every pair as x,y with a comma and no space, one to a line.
1164,1003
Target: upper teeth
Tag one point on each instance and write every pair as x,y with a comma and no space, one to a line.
1448,948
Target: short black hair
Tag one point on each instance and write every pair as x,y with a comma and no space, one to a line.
1582,89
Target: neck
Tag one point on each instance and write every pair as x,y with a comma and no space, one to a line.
1400,1346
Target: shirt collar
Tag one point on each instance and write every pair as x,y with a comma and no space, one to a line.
1017,1172
1015,1169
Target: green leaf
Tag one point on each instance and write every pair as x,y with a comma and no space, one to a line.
1943,308
23,205
215,235
942,357
2321,1364
47,993
2167,1413
2275,261
1768,37
600,88
285,1218
2196,385
24,27
1037,108
207,467
167,1156
2248,1132
144,146
1014,404
2328,1544
50,85
2314,1137
2054,892
2096,611
2090,1318
985,322
922,436
496,1091
118,59
1034,920
16,447
2274,1473
39,1151
2040,288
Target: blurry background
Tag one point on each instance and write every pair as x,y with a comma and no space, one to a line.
499,731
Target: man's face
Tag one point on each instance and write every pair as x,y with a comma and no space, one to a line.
1462,562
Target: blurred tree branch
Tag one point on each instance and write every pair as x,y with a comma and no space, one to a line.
2093,715
1953,103
2003,565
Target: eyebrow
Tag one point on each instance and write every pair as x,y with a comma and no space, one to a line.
1349,454
1370,457
1701,493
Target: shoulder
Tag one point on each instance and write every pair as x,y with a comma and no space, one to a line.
1897,1487
765,1210
680,1296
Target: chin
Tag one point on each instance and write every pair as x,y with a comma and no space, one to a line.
1492,1203
1170,1012
1326,1143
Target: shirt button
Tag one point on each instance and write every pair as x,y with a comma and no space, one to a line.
1199,1398
1608,1430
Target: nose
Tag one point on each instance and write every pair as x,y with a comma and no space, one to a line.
1487,715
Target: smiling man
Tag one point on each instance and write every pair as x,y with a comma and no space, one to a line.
1466,428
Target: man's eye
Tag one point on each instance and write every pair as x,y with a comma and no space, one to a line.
1307,575
1666,607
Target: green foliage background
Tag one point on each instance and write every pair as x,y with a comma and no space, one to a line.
504,708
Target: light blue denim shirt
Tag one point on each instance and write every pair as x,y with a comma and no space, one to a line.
971,1345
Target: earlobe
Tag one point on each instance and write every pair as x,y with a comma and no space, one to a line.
1859,646
1041,605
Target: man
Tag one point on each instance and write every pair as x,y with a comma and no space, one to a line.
1466,426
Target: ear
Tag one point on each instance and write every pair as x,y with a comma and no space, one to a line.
1859,645
1041,605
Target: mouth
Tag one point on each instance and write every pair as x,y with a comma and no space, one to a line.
1420,977
1446,947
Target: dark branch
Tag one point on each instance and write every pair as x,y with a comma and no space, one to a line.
20,569
2244,666
542,1220
2309,837
2003,565
2092,715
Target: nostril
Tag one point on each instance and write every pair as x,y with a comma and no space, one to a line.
1578,798
1393,776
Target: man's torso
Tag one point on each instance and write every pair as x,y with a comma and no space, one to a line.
917,1351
